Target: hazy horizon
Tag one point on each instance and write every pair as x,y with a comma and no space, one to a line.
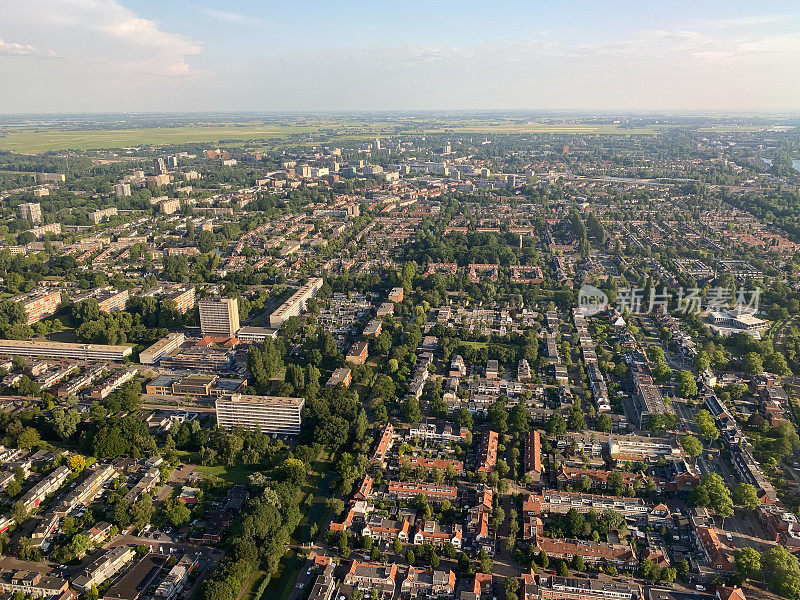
119,56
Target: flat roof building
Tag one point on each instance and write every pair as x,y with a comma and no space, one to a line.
39,304
269,414
31,211
296,303
170,343
219,316
65,350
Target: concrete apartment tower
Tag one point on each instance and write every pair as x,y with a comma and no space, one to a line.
219,316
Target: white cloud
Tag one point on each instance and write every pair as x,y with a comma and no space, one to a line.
16,49
230,17
111,58
101,41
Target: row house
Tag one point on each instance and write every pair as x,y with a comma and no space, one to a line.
708,542
384,445
433,492
431,433
428,583
457,367
487,456
621,555
149,480
533,455
573,588
598,478
45,487
430,532
440,464
367,576
478,519
383,529
559,502
34,585
87,490
103,567
481,587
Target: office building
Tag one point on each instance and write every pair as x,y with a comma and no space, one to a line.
165,345
219,316
296,303
201,384
31,212
255,335
269,414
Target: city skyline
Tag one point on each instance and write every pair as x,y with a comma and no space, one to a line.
147,56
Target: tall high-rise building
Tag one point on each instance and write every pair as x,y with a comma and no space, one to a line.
219,316
31,211
159,166
122,189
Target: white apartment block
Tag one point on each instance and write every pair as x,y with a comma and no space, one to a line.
269,414
296,304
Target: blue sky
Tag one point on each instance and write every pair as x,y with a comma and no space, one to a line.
129,55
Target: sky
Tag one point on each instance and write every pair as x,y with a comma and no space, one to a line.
341,55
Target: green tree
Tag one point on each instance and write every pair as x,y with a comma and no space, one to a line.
705,425
713,493
776,363
752,364
748,563
745,495
556,425
411,410
687,386
782,571
180,514
543,560
577,563
18,512
434,559
562,570
603,423
691,445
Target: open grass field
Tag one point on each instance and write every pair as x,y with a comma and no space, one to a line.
34,140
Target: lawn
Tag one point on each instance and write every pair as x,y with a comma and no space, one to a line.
232,475
32,140
284,580
280,586
318,511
